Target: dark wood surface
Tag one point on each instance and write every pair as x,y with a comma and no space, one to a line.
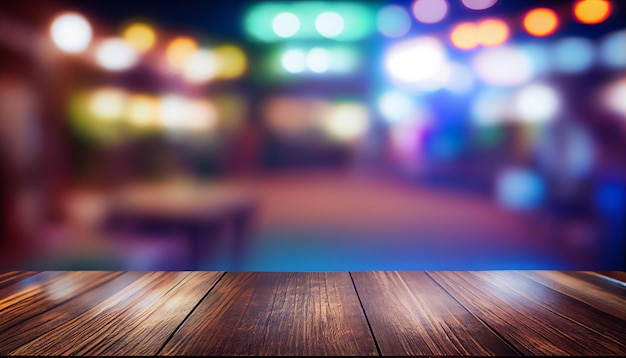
388,313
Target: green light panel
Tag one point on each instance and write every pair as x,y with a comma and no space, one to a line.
359,20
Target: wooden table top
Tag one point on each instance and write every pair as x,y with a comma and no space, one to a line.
388,313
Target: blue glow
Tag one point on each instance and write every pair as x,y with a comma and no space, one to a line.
520,189
573,55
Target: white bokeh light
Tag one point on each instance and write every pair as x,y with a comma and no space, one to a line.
503,66
286,24
415,60
294,61
537,103
71,32
115,54
318,60
329,24
172,109
201,67
396,106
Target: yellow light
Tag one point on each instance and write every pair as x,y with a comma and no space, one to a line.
464,36
541,22
347,122
107,104
140,36
179,51
232,62
142,110
492,32
592,11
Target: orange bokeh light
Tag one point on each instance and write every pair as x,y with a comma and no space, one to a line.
464,36
541,22
180,50
492,32
592,11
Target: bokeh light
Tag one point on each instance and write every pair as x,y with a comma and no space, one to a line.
141,110
499,100
612,49
614,95
318,60
172,109
573,54
342,21
503,66
415,60
429,11
232,61
180,50
200,67
540,22
329,24
492,32
71,32
592,11
347,121
537,103
396,106
115,54
478,4
520,189
464,36
393,21
540,55
294,60
140,36
108,103
285,24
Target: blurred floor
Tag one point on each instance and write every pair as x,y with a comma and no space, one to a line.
349,221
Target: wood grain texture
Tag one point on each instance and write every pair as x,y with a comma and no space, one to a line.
615,275
13,338
274,313
10,277
534,318
39,293
586,287
411,315
136,320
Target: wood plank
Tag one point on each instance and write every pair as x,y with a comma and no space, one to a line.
137,320
514,308
17,336
39,293
586,287
277,313
411,315
606,324
616,275
10,277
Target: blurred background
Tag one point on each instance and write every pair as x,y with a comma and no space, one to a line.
313,135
